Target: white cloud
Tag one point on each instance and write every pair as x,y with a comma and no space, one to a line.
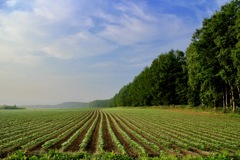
20,38
53,27
38,34
127,28
11,3
80,45
128,32
134,9
53,10
44,28
132,30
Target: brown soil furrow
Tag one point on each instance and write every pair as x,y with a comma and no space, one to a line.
59,143
12,149
9,151
74,146
122,140
93,143
205,153
178,149
147,138
108,142
149,151
38,147
183,151
192,150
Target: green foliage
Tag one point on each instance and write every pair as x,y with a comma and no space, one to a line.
166,132
101,103
88,135
10,107
211,57
54,155
75,135
115,139
163,83
208,75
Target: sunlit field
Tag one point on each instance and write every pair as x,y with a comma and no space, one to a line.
132,132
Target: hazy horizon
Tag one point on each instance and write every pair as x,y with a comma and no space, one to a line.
78,51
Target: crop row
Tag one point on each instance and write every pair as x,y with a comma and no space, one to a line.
53,141
31,138
171,135
139,132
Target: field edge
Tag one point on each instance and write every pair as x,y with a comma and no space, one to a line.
55,155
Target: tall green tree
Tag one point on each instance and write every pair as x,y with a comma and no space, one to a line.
208,75
139,92
168,80
211,57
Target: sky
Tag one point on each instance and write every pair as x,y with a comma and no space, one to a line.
54,51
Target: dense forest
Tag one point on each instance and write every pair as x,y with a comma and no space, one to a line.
207,74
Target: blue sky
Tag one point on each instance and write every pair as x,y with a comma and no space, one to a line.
81,50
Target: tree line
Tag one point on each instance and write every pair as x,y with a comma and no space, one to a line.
10,107
207,74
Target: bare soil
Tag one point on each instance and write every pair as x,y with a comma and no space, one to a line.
108,142
130,151
183,151
59,143
33,150
37,148
149,139
149,151
205,153
93,143
74,146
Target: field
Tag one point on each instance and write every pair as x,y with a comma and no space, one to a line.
134,132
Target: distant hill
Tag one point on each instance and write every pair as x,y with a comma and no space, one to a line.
71,105
62,105
96,103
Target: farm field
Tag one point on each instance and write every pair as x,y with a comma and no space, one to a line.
136,132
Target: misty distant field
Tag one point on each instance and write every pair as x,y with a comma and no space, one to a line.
134,132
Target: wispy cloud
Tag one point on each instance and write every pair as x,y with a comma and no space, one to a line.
134,25
54,28
70,50
80,45
53,11
11,3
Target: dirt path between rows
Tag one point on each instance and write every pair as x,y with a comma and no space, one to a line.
74,146
37,148
149,151
130,151
58,145
93,142
30,151
178,151
109,145
147,138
